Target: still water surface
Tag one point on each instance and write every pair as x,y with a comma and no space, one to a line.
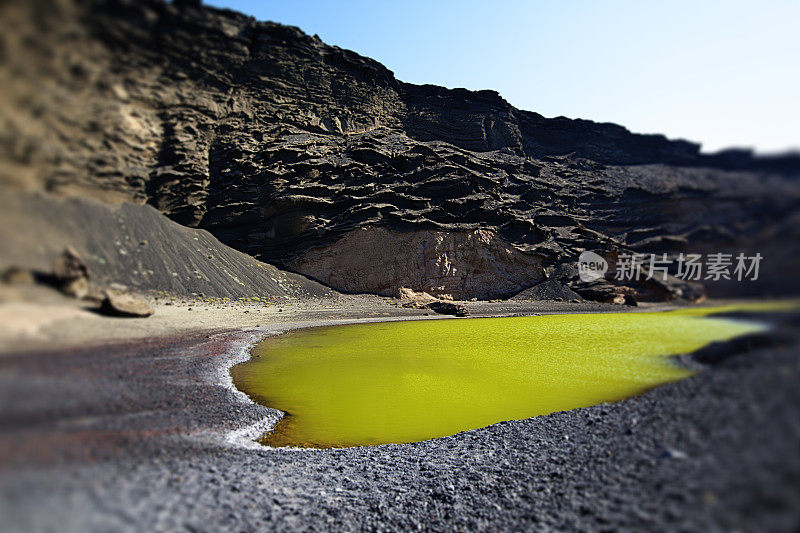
407,381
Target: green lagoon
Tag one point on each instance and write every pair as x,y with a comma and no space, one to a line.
396,382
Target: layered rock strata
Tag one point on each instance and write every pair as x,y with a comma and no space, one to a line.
286,148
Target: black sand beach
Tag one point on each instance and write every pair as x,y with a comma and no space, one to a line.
151,436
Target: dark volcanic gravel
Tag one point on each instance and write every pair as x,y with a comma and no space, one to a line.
137,437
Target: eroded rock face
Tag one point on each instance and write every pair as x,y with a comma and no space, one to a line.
460,264
280,145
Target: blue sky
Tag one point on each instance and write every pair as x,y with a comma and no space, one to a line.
723,73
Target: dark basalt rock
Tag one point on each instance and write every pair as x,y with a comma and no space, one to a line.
279,144
448,308
603,291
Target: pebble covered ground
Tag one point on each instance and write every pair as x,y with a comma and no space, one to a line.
138,436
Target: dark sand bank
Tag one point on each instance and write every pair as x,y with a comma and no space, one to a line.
148,435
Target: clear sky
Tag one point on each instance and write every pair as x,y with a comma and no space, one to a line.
720,72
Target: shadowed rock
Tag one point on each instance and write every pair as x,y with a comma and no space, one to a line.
448,308
71,274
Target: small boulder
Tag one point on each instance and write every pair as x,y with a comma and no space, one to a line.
447,308
410,298
71,274
124,305
77,288
606,292
413,299
69,265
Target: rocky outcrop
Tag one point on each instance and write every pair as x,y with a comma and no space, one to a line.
282,147
458,264
422,300
414,299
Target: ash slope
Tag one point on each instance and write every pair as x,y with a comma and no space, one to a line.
138,247
284,148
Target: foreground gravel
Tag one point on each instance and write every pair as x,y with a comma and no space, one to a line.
147,436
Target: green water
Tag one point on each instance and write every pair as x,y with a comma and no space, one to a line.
408,381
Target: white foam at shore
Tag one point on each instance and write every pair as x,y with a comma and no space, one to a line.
239,352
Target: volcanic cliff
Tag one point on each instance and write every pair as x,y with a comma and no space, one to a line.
320,161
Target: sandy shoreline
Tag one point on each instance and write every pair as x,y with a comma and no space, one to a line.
35,318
